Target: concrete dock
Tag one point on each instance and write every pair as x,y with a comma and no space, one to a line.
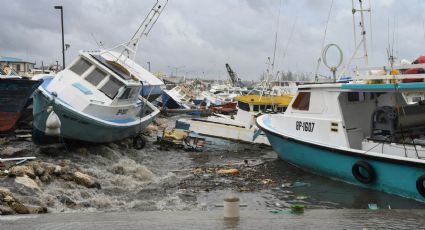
311,219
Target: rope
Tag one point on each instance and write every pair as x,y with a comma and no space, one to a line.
324,36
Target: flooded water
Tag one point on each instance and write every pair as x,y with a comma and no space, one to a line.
151,179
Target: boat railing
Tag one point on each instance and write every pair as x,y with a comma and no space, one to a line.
397,72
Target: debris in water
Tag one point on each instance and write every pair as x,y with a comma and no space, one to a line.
373,206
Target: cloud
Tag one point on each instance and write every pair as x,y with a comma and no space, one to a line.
204,35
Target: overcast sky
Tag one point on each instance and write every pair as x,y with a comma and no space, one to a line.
200,36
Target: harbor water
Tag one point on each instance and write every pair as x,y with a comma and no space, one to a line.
154,179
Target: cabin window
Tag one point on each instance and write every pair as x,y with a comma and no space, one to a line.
244,106
128,93
80,67
256,108
302,102
96,76
356,96
111,87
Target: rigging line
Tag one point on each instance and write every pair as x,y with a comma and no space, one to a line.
371,30
324,35
276,35
289,39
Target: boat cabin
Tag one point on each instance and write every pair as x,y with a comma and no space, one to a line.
367,117
98,87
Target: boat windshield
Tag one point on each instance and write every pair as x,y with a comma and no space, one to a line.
128,93
111,87
80,66
96,76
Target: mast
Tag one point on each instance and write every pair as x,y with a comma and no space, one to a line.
363,40
129,48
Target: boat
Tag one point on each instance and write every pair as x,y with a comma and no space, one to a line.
239,127
15,96
96,98
362,132
382,147
177,97
152,86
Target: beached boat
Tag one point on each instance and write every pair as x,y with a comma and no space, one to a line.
240,127
177,97
96,98
363,134
15,93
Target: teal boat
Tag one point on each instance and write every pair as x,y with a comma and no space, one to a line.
362,134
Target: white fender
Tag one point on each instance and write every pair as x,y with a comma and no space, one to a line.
53,124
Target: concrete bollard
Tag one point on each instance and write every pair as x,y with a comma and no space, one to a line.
231,207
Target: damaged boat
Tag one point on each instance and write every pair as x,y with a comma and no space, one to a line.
96,98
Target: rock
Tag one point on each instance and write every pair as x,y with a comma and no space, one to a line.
11,151
9,199
27,182
22,170
58,170
37,210
19,208
5,192
66,200
85,180
6,210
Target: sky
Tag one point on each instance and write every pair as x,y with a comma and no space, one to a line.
197,38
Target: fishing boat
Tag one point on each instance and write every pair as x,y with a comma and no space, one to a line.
240,127
152,86
364,134
15,95
177,97
96,98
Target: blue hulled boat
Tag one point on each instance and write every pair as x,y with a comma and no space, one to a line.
363,134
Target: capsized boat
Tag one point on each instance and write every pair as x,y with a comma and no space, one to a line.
15,93
96,98
177,97
240,127
359,133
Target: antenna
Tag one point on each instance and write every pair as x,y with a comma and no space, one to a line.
130,47
99,44
275,39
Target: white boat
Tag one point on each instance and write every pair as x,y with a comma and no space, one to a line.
362,132
240,127
177,97
96,98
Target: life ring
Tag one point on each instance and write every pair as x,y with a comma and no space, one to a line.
363,165
420,185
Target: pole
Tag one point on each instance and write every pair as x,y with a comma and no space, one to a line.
149,66
63,37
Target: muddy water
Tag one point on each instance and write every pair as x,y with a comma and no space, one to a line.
152,179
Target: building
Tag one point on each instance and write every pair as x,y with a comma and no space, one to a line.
20,66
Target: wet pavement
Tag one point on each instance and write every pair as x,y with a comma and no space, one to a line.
311,219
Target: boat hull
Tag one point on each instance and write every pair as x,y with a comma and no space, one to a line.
392,176
77,126
223,130
14,97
